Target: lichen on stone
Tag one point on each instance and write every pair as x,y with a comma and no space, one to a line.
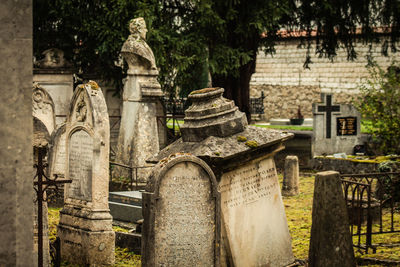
93,85
202,91
251,144
241,138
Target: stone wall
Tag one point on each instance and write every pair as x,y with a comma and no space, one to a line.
287,85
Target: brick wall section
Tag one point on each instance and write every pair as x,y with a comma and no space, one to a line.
287,85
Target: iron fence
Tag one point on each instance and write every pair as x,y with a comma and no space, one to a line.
373,207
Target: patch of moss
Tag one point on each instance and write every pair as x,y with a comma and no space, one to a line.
251,144
93,85
241,138
217,153
202,91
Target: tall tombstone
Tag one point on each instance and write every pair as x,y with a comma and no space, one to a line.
330,242
55,75
182,218
85,227
336,127
138,134
254,230
16,172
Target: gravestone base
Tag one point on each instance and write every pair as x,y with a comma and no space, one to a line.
86,237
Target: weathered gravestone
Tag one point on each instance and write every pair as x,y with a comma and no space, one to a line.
43,126
57,156
43,113
54,74
138,134
336,127
253,222
330,242
85,228
290,185
182,214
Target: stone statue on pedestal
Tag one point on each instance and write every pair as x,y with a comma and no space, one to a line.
139,133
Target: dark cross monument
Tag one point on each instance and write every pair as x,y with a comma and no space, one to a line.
336,128
328,108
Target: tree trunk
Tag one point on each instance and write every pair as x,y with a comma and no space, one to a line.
238,88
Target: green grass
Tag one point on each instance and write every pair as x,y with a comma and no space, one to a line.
286,127
299,215
364,125
123,257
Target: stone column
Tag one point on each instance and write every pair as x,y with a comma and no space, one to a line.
290,185
138,135
16,172
330,242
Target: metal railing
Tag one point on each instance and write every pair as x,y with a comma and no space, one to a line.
372,206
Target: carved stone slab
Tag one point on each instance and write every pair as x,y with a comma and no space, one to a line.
43,115
181,214
85,227
254,216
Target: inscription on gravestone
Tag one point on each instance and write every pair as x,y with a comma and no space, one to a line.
193,211
80,165
253,215
346,125
247,186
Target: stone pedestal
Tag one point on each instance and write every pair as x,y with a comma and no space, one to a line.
331,242
254,231
138,135
290,186
85,228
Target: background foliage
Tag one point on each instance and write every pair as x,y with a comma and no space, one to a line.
379,102
222,37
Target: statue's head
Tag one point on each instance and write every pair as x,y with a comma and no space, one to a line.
138,26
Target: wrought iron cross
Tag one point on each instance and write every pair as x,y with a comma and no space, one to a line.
328,109
40,186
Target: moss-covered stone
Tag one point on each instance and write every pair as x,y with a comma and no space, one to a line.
202,91
241,138
252,144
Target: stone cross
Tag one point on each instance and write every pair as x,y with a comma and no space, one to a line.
328,109
85,228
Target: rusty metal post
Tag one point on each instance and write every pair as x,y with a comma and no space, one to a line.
40,207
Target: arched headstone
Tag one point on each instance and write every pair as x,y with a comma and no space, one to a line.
181,214
85,227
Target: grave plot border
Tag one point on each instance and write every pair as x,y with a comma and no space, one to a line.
363,193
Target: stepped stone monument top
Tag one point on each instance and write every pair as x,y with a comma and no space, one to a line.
214,128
